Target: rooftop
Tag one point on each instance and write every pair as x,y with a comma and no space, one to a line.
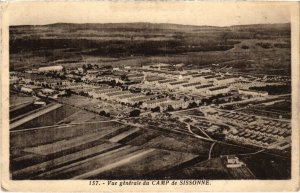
204,86
118,93
191,84
218,88
157,101
178,82
142,98
131,95
166,81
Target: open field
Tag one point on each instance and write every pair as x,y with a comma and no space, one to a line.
265,166
16,100
82,116
158,161
22,106
80,155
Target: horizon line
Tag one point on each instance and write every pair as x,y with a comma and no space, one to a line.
78,23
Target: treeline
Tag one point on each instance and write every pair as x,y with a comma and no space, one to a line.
267,45
274,89
117,48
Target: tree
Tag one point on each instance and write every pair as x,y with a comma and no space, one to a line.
170,108
188,120
68,92
185,98
136,105
102,113
156,109
84,68
224,37
192,105
134,113
89,67
124,77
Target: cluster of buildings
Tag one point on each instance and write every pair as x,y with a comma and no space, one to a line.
267,134
126,97
39,80
232,117
200,82
204,88
164,104
252,139
246,83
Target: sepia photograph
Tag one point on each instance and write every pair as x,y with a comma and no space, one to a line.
150,91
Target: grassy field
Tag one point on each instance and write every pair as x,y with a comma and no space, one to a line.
16,100
82,116
157,162
207,169
270,167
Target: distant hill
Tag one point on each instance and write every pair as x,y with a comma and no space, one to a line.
162,37
71,42
154,26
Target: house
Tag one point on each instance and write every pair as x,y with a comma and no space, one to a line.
233,162
26,90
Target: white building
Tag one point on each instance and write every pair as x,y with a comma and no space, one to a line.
253,93
224,80
26,90
177,84
218,90
115,95
203,90
50,69
154,103
233,162
102,92
175,104
141,99
126,98
190,86
164,83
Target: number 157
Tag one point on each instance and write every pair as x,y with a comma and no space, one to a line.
93,183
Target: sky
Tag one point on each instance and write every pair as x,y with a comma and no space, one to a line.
178,12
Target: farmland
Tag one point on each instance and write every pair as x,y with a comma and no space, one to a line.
70,157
